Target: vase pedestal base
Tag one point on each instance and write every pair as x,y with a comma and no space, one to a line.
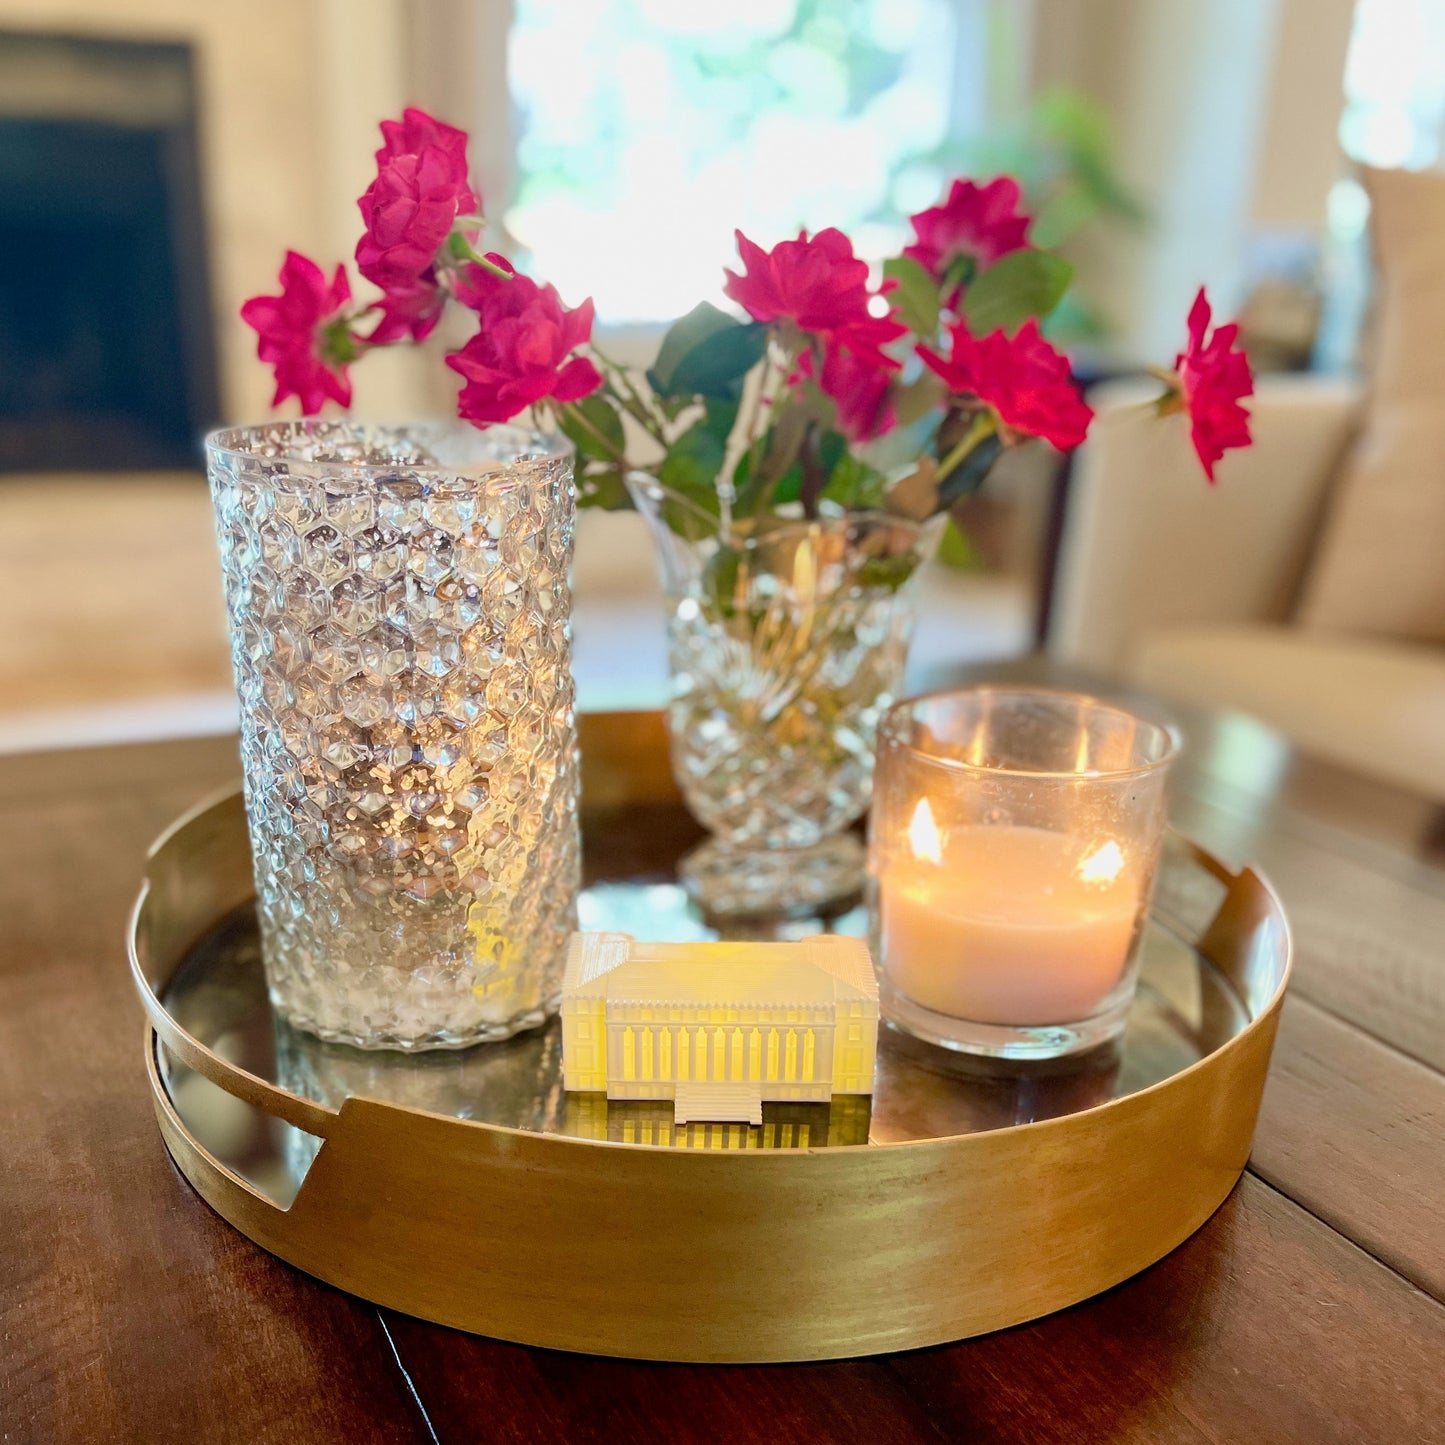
727,882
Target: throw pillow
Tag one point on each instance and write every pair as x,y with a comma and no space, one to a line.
1380,564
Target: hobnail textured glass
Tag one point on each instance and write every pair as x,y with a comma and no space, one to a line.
401,635
787,641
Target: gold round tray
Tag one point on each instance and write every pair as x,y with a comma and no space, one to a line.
469,1189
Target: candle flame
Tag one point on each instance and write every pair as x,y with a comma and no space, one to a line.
923,834
1103,864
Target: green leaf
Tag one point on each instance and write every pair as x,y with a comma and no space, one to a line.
1096,177
694,461
707,353
687,332
915,298
594,427
1017,286
887,573
855,485
788,487
603,488
716,367
1079,128
692,466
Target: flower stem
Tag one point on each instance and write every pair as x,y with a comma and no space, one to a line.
1172,400
777,366
628,397
983,426
460,247
577,415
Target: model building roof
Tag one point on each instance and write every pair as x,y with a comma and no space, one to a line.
811,972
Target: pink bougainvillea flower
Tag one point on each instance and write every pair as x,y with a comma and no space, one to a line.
304,333
413,308
1021,379
861,392
1213,375
414,132
409,309
420,189
977,224
820,286
523,352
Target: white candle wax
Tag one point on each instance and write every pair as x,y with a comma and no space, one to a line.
1009,925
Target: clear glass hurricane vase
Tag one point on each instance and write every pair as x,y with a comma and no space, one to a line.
787,640
401,635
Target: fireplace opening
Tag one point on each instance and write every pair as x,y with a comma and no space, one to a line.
107,357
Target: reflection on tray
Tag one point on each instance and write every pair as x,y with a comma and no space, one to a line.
784,1126
1185,1009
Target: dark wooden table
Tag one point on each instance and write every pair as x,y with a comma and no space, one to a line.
1311,1308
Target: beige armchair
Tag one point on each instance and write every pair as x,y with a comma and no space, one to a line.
1187,590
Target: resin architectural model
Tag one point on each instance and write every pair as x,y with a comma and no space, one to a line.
719,1028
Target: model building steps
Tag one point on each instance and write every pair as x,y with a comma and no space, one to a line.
719,1103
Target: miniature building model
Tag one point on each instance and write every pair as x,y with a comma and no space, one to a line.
719,1027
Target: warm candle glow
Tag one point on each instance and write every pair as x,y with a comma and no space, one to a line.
923,834
1006,924
1103,864
1012,843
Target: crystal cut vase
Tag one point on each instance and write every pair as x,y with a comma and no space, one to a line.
787,640
400,625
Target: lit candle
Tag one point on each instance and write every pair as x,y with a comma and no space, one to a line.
1007,925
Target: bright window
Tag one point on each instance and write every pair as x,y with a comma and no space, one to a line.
649,129
1395,84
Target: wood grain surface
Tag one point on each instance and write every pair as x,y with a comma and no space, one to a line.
1266,1326
1308,1309
1355,1132
126,1312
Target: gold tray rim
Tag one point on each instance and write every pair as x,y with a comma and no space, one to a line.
360,1121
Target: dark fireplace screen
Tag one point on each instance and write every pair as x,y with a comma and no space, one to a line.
106,348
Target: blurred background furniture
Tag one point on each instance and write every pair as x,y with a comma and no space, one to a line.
1189,591
1308,585
1165,143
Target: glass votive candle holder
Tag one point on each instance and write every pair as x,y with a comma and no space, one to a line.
1013,843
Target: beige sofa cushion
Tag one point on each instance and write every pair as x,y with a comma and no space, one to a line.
1376,707
1380,567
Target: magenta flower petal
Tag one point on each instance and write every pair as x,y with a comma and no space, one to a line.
819,285
291,332
1021,379
409,210
977,223
1213,376
522,352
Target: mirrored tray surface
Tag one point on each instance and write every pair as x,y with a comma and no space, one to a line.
1185,1010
